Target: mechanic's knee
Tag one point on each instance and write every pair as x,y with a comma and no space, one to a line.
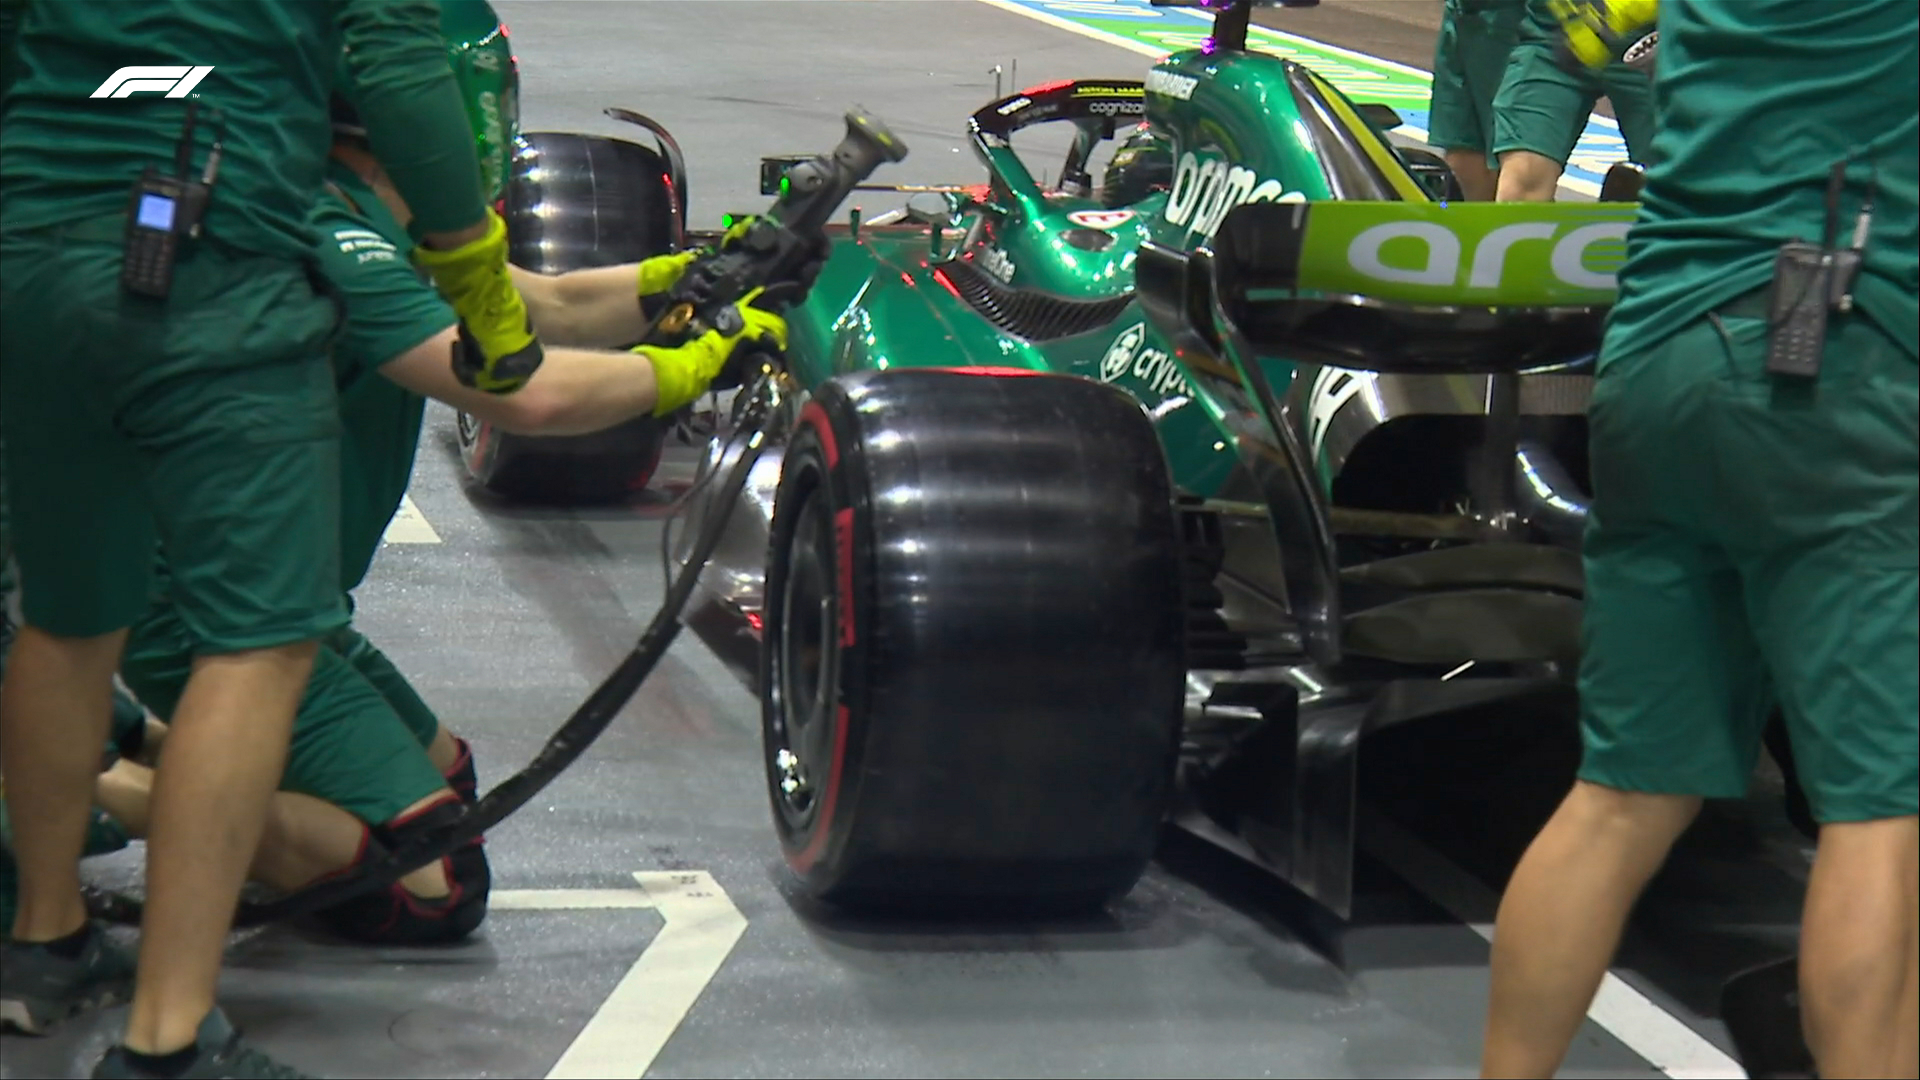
1474,170
1605,807
1888,841
1528,177
395,916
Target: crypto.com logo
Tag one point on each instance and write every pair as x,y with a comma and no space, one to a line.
175,82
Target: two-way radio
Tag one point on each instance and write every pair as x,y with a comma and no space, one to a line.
1809,280
162,209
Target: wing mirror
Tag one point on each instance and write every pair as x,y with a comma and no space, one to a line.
1433,172
941,208
1384,118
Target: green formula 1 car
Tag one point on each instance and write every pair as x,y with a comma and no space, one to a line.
1087,507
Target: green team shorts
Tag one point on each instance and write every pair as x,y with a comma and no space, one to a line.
1753,539
1469,61
206,422
351,746
1542,107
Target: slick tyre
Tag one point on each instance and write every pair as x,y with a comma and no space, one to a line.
972,671
562,470
591,201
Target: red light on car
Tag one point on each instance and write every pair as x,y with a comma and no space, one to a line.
941,277
995,372
906,277
755,621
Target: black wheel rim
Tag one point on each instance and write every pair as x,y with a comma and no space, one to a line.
805,656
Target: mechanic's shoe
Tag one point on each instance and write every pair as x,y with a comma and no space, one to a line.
218,1052
462,777
39,987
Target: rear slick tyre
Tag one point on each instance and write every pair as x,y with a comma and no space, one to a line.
577,201
972,667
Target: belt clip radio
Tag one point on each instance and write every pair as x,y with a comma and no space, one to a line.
161,209
1810,280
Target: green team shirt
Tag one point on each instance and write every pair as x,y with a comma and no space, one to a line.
390,309
67,156
1755,101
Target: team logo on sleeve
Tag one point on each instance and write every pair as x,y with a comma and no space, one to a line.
365,245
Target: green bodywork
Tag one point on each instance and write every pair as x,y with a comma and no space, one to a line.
1242,127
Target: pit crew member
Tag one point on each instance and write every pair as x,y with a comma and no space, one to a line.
1756,521
369,759
1469,60
167,384
1543,103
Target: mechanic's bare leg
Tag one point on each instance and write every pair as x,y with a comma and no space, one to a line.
1857,943
1528,177
1477,180
225,753
55,707
443,751
1561,919
305,838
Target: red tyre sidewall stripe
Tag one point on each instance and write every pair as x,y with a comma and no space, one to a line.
843,556
843,528
823,828
816,417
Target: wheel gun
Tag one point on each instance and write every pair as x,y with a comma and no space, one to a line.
777,246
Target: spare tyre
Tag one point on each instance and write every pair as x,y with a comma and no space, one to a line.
972,672
576,201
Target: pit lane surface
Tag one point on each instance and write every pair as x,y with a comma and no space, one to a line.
508,616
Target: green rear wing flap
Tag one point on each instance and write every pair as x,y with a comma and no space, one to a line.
1396,287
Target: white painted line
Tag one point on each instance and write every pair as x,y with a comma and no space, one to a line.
1647,1029
567,899
701,926
1075,28
409,526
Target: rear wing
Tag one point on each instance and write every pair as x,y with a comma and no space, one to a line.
1399,287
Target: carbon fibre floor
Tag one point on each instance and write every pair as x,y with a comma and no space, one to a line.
510,615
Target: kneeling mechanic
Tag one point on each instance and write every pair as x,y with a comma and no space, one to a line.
369,758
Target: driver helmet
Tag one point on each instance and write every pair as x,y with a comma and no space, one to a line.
489,80
1141,165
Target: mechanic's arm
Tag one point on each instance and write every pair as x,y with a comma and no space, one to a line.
406,95
575,392
579,391
599,307
595,308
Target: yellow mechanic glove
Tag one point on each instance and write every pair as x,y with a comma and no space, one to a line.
1597,32
501,352
682,374
658,274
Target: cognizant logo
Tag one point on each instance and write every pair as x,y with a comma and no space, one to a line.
175,81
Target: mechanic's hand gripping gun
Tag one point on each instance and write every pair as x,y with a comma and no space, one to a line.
777,249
